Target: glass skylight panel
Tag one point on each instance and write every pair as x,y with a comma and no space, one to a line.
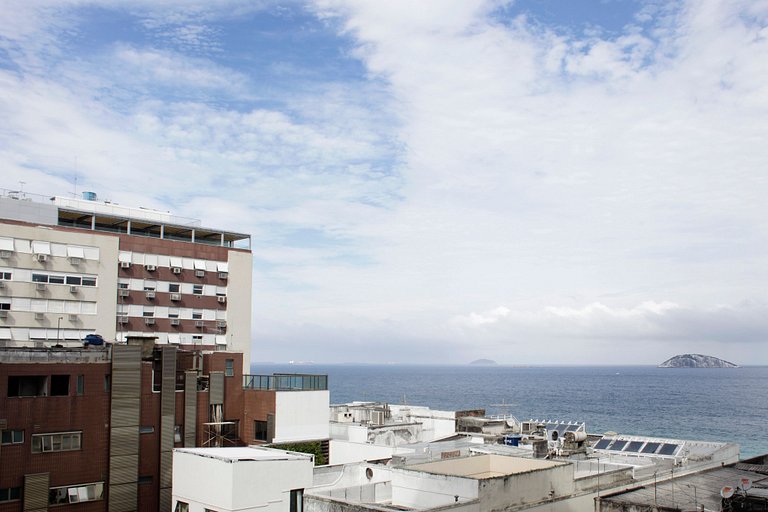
618,445
603,443
668,449
650,447
634,446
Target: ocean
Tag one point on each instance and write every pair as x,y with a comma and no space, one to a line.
704,404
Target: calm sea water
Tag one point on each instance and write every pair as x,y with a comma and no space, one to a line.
707,404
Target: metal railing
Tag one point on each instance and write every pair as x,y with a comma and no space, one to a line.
286,382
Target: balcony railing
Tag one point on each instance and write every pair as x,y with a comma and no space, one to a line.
286,382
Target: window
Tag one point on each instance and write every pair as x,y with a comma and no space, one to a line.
149,312
197,315
197,338
150,286
297,500
147,479
197,289
13,436
56,442
76,494
59,385
174,287
56,279
89,281
181,506
107,383
146,429
74,280
39,278
229,368
177,433
260,430
123,286
27,385
10,494
173,312
80,385
5,306
5,276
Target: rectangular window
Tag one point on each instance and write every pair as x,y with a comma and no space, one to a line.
27,385
107,383
229,368
10,494
5,306
181,507
173,312
197,315
56,442
146,429
56,279
147,479
74,280
174,287
13,436
149,312
76,494
80,385
177,433
122,286
5,276
39,278
89,281
260,430
297,500
197,289
197,338
59,385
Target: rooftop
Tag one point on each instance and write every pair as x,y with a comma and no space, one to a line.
485,466
245,454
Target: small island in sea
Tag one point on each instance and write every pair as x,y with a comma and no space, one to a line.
483,362
696,361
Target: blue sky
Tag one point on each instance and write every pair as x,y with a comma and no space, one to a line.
537,181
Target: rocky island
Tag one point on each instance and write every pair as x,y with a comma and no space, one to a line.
483,362
696,361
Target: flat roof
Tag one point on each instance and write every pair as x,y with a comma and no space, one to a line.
485,466
245,453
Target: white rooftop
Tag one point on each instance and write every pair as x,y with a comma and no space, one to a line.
245,453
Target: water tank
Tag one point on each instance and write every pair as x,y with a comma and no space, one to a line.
90,196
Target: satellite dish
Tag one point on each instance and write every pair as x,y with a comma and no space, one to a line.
727,491
746,484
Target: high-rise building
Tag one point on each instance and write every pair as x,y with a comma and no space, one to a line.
72,267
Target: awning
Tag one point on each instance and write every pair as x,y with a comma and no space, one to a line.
6,244
222,266
41,247
150,259
75,252
5,333
124,257
199,265
221,339
176,262
69,334
37,334
174,338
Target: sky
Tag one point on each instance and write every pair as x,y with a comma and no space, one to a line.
529,181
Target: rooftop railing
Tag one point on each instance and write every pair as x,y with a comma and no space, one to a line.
286,382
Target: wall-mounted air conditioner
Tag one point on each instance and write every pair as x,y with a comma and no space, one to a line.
150,294
176,270
3,313
150,268
42,258
125,264
176,297
73,317
175,321
223,275
149,321
199,273
74,289
123,292
122,319
2,284
221,324
199,323
74,260
5,254
41,287
39,316
221,298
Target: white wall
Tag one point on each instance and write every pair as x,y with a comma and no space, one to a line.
239,287
301,416
416,489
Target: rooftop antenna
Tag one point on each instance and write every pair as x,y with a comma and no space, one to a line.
21,188
503,407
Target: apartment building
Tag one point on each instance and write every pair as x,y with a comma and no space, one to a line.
71,267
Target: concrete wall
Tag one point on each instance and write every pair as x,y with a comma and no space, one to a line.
417,489
536,486
245,486
239,293
345,452
301,416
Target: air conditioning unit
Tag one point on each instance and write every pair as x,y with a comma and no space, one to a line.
5,254
3,313
176,296
74,260
221,298
176,270
150,268
199,323
175,321
124,292
150,294
122,319
149,321
125,264
199,273
39,316
73,289
41,257
41,287
73,318
2,284
223,275
221,324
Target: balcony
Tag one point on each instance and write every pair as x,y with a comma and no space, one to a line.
286,382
